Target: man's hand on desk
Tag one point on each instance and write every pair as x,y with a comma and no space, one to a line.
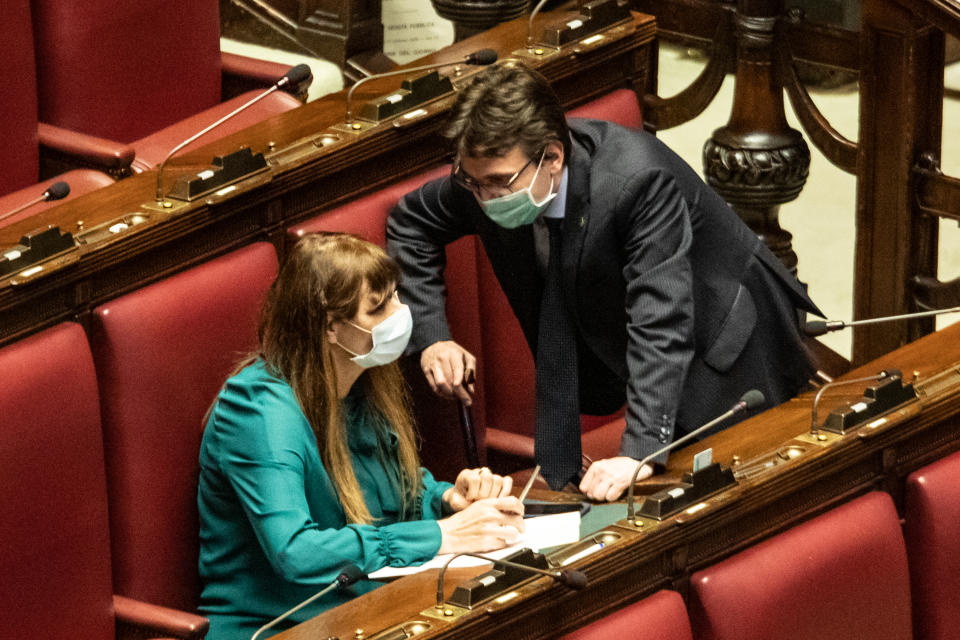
450,369
608,479
485,525
476,484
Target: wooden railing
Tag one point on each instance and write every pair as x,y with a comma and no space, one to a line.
898,54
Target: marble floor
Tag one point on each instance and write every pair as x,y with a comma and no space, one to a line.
821,219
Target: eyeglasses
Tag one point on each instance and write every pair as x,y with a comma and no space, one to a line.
491,189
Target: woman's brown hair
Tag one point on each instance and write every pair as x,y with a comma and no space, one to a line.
321,281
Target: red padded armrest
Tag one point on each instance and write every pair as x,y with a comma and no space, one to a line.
110,155
157,621
516,444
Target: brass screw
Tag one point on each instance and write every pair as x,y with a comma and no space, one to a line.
358,635
448,612
736,460
821,437
80,225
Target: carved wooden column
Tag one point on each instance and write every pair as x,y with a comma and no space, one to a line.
757,162
901,113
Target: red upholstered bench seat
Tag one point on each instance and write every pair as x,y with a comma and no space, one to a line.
162,353
841,575
54,534
932,530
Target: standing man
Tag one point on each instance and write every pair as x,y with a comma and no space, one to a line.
633,280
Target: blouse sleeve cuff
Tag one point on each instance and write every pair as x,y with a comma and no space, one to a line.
409,543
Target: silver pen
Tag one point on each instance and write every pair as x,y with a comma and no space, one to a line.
533,478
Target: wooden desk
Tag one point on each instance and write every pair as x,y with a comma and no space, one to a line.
303,179
768,498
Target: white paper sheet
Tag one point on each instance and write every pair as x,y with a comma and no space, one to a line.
540,532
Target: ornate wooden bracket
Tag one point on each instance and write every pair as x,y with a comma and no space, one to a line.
664,113
838,149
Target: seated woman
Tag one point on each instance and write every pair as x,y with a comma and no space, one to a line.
309,458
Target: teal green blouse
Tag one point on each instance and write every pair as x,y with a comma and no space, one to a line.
272,530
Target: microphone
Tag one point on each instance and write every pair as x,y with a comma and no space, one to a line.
533,14
295,75
56,191
482,57
886,373
350,574
820,327
750,400
570,577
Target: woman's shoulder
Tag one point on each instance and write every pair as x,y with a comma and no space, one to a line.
254,400
256,379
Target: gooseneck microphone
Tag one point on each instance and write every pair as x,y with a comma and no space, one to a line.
750,400
482,57
570,577
56,191
820,327
838,383
295,75
533,14
350,574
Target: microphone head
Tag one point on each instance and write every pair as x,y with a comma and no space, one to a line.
482,57
816,328
350,573
295,75
57,191
573,578
752,399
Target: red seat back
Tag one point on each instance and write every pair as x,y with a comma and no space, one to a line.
55,558
620,106
442,444
661,616
932,529
122,70
19,161
841,575
162,353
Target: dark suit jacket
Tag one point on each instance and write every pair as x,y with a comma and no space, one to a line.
673,296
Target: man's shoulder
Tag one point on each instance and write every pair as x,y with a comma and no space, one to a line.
613,147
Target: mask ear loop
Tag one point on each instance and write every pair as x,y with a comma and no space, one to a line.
550,194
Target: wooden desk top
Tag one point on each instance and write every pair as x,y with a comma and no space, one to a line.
767,499
304,177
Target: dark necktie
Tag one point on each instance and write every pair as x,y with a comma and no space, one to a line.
557,441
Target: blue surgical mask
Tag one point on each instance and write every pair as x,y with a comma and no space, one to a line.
518,208
390,338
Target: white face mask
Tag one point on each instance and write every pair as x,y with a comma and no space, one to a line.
390,338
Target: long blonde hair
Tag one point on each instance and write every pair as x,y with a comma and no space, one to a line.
321,281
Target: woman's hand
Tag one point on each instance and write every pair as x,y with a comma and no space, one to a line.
476,484
485,525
